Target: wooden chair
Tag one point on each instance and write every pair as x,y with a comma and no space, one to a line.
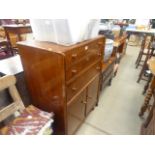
144,50
151,89
31,120
150,53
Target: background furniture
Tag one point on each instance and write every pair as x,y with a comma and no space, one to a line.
148,55
151,89
108,67
14,33
64,79
148,126
120,45
122,26
143,52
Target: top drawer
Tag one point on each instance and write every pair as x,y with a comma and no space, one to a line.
73,56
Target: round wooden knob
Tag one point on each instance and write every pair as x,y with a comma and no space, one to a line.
74,71
74,55
86,48
74,88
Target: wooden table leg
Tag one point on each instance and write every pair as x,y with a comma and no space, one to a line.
147,84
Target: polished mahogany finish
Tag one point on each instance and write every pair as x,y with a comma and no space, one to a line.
64,79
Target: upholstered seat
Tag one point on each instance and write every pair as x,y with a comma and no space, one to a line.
32,121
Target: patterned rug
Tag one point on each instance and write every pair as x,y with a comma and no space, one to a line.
4,55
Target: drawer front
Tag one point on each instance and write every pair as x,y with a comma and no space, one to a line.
74,56
81,65
74,87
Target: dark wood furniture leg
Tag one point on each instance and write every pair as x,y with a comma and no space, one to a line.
146,102
140,53
148,97
147,84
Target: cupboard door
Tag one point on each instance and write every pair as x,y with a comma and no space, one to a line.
92,95
76,112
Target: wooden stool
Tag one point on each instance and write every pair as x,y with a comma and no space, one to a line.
151,89
143,52
145,66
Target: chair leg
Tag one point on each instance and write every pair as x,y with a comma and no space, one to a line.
148,119
141,73
147,84
143,68
138,59
146,102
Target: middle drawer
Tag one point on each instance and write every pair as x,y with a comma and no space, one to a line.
81,65
74,87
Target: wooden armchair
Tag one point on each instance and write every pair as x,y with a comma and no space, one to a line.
30,120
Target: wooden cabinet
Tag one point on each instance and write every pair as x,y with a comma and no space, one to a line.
63,79
108,70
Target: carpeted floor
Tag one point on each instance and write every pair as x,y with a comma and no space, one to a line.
119,105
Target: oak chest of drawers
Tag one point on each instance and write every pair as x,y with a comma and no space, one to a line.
64,79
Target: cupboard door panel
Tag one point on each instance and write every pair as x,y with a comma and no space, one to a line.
76,112
92,95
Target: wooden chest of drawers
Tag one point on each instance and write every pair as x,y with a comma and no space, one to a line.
64,79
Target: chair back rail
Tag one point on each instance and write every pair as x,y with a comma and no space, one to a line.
8,82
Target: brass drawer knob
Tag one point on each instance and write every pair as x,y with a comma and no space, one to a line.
74,55
74,71
86,48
